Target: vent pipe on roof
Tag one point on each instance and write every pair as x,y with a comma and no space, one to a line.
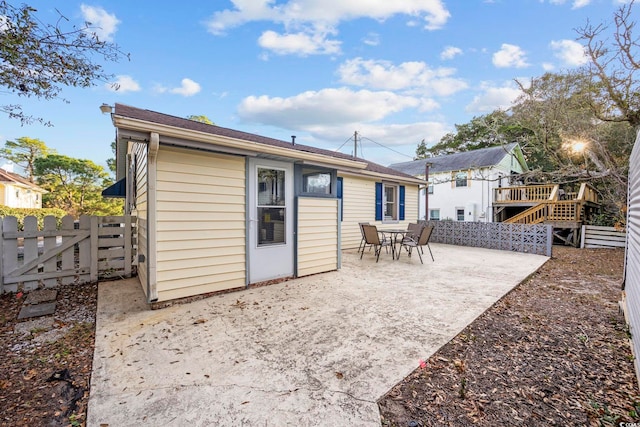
293,140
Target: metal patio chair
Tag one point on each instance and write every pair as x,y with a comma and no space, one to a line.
372,237
423,240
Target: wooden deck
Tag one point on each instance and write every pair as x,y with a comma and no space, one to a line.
548,204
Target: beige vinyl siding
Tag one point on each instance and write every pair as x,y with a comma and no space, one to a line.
200,220
138,151
411,199
2,195
358,205
317,235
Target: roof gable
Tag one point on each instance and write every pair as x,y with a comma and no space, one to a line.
474,159
14,178
182,123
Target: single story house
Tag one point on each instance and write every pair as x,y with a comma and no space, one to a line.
461,184
220,209
19,192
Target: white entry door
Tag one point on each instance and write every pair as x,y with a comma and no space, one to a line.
270,220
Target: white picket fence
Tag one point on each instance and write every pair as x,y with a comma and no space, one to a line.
593,236
76,252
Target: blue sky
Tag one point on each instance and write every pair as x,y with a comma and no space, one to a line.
395,71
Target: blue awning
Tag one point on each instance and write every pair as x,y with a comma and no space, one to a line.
119,189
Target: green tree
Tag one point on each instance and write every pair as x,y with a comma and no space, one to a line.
614,66
111,162
38,59
201,118
495,128
421,151
75,185
23,152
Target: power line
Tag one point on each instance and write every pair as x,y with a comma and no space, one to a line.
343,144
384,146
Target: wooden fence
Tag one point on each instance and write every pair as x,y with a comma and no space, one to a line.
75,252
602,237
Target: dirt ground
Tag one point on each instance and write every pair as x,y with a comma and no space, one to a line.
554,351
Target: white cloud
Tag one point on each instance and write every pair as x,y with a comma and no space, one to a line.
308,22
570,52
547,66
294,13
302,44
4,23
450,52
387,134
372,39
187,88
123,84
411,76
577,4
325,107
510,55
493,97
102,24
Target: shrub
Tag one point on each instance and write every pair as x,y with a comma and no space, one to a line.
20,213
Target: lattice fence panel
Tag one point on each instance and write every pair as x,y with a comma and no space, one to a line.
534,239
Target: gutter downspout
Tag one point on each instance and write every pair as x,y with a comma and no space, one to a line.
152,176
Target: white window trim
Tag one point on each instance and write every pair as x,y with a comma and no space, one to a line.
458,177
396,202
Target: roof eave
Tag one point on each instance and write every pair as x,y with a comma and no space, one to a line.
122,122
389,177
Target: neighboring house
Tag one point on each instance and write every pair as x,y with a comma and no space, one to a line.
18,192
220,209
461,185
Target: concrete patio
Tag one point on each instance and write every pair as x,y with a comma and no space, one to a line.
318,350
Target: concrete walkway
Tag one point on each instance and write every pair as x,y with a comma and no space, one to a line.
316,351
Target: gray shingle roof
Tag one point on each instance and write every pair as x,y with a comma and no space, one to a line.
179,122
483,157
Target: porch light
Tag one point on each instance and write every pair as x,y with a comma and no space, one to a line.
106,108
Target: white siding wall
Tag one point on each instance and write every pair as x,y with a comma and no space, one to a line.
16,196
138,153
478,195
317,235
200,223
359,205
632,259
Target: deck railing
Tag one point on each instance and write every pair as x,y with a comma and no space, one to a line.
523,193
540,193
561,210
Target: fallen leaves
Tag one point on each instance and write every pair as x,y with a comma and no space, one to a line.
551,352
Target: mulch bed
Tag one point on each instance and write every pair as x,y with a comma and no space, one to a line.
553,352
45,370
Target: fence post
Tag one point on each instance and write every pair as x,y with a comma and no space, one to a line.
68,261
50,265
30,247
84,249
94,249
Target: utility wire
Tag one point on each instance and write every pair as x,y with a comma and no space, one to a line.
343,144
388,148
